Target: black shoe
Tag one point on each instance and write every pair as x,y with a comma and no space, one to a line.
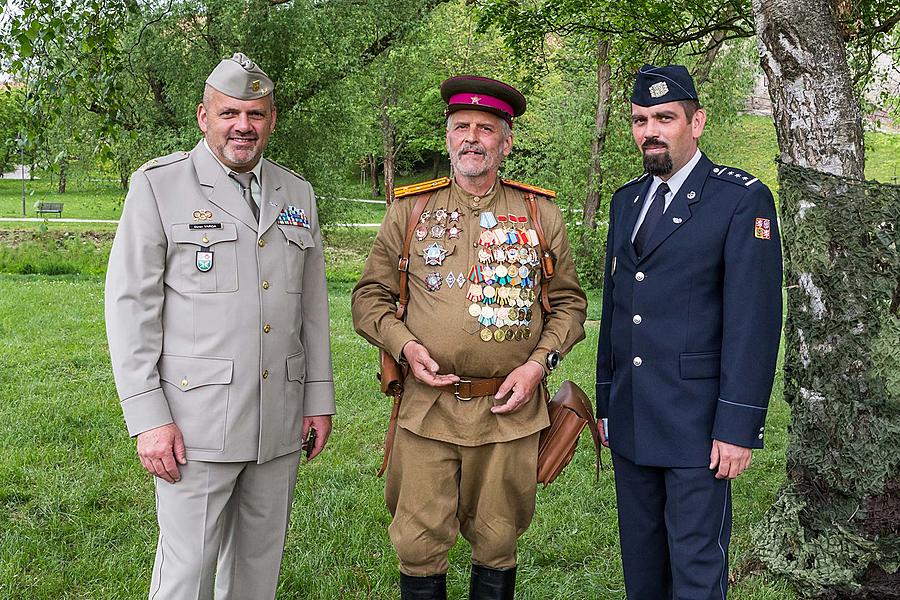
433,587
492,584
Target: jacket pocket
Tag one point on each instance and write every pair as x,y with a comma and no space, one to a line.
293,397
197,389
297,241
207,258
699,365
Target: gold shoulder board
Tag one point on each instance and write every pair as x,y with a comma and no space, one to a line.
529,188
418,188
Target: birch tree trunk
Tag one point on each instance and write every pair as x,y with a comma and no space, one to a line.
834,530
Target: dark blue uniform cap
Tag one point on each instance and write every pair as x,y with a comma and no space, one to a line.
658,85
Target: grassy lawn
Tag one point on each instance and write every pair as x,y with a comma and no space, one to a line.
78,511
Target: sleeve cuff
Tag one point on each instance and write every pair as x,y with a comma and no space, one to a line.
318,398
396,339
739,424
603,399
146,411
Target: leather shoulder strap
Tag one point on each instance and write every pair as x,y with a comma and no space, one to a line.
403,264
548,261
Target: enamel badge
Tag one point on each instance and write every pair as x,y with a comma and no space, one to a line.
204,260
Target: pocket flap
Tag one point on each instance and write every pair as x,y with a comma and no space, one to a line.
183,234
189,372
700,365
296,367
300,236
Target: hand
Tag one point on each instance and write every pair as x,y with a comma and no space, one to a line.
322,425
423,366
161,450
731,460
521,382
602,430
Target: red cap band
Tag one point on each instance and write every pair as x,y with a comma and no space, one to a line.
482,100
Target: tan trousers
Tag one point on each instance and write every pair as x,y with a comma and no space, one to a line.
225,517
436,490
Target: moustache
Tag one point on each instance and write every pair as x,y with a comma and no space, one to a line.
653,142
471,148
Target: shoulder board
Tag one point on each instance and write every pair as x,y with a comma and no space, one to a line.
637,179
529,188
283,168
162,161
733,175
418,188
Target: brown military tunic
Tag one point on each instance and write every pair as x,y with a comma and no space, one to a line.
474,303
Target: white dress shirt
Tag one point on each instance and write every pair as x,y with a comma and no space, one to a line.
675,182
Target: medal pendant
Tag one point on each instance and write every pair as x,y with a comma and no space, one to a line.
486,335
426,214
440,215
488,273
484,256
455,214
499,255
474,294
454,231
204,260
474,310
421,232
487,238
519,335
434,255
490,294
433,281
499,335
509,335
512,255
437,231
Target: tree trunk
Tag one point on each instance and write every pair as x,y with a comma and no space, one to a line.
601,119
436,166
63,168
388,136
373,171
704,65
815,109
834,530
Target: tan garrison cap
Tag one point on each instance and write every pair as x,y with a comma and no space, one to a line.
241,78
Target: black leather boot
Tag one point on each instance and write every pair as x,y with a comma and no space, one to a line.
433,587
492,584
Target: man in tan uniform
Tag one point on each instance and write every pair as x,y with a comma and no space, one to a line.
217,319
478,345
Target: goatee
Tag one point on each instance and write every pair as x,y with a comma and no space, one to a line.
658,164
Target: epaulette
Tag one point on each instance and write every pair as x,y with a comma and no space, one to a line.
162,161
735,176
418,188
284,168
529,188
637,179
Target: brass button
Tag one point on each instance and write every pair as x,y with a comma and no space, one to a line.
639,276
265,285
265,374
637,361
261,243
267,328
184,382
636,319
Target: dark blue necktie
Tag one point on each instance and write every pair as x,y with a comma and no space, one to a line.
654,214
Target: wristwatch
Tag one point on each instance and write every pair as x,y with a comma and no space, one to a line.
553,358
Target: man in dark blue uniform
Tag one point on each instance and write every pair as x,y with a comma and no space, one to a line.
688,343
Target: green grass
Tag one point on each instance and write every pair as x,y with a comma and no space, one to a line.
77,516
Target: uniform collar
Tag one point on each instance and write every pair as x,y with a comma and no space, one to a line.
677,180
257,170
471,200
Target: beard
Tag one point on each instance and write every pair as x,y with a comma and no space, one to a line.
657,164
488,163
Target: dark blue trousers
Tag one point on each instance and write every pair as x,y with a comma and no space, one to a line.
674,529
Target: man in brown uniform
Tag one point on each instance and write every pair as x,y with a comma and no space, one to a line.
478,344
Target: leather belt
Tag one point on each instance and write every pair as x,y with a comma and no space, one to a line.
466,389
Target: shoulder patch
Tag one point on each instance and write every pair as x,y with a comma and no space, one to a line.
735,176
637,179
529,188
283,168
162,161
418,188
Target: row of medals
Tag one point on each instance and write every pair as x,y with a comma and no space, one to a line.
502,282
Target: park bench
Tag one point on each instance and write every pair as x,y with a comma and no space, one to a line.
48,207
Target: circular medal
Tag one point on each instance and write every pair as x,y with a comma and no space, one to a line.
519,335
421,232
486,335
475,309
437,231
499,255
489,291
523,272
499,335
433,281
501,271
440,214
484,256
527,333
487,312
512,255
509,335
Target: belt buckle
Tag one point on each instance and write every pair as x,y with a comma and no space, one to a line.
456,390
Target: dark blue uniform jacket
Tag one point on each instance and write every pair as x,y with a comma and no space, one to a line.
689,332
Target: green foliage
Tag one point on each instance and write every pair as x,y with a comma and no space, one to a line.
837,520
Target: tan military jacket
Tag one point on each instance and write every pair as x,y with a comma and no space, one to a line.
216,323
457,298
